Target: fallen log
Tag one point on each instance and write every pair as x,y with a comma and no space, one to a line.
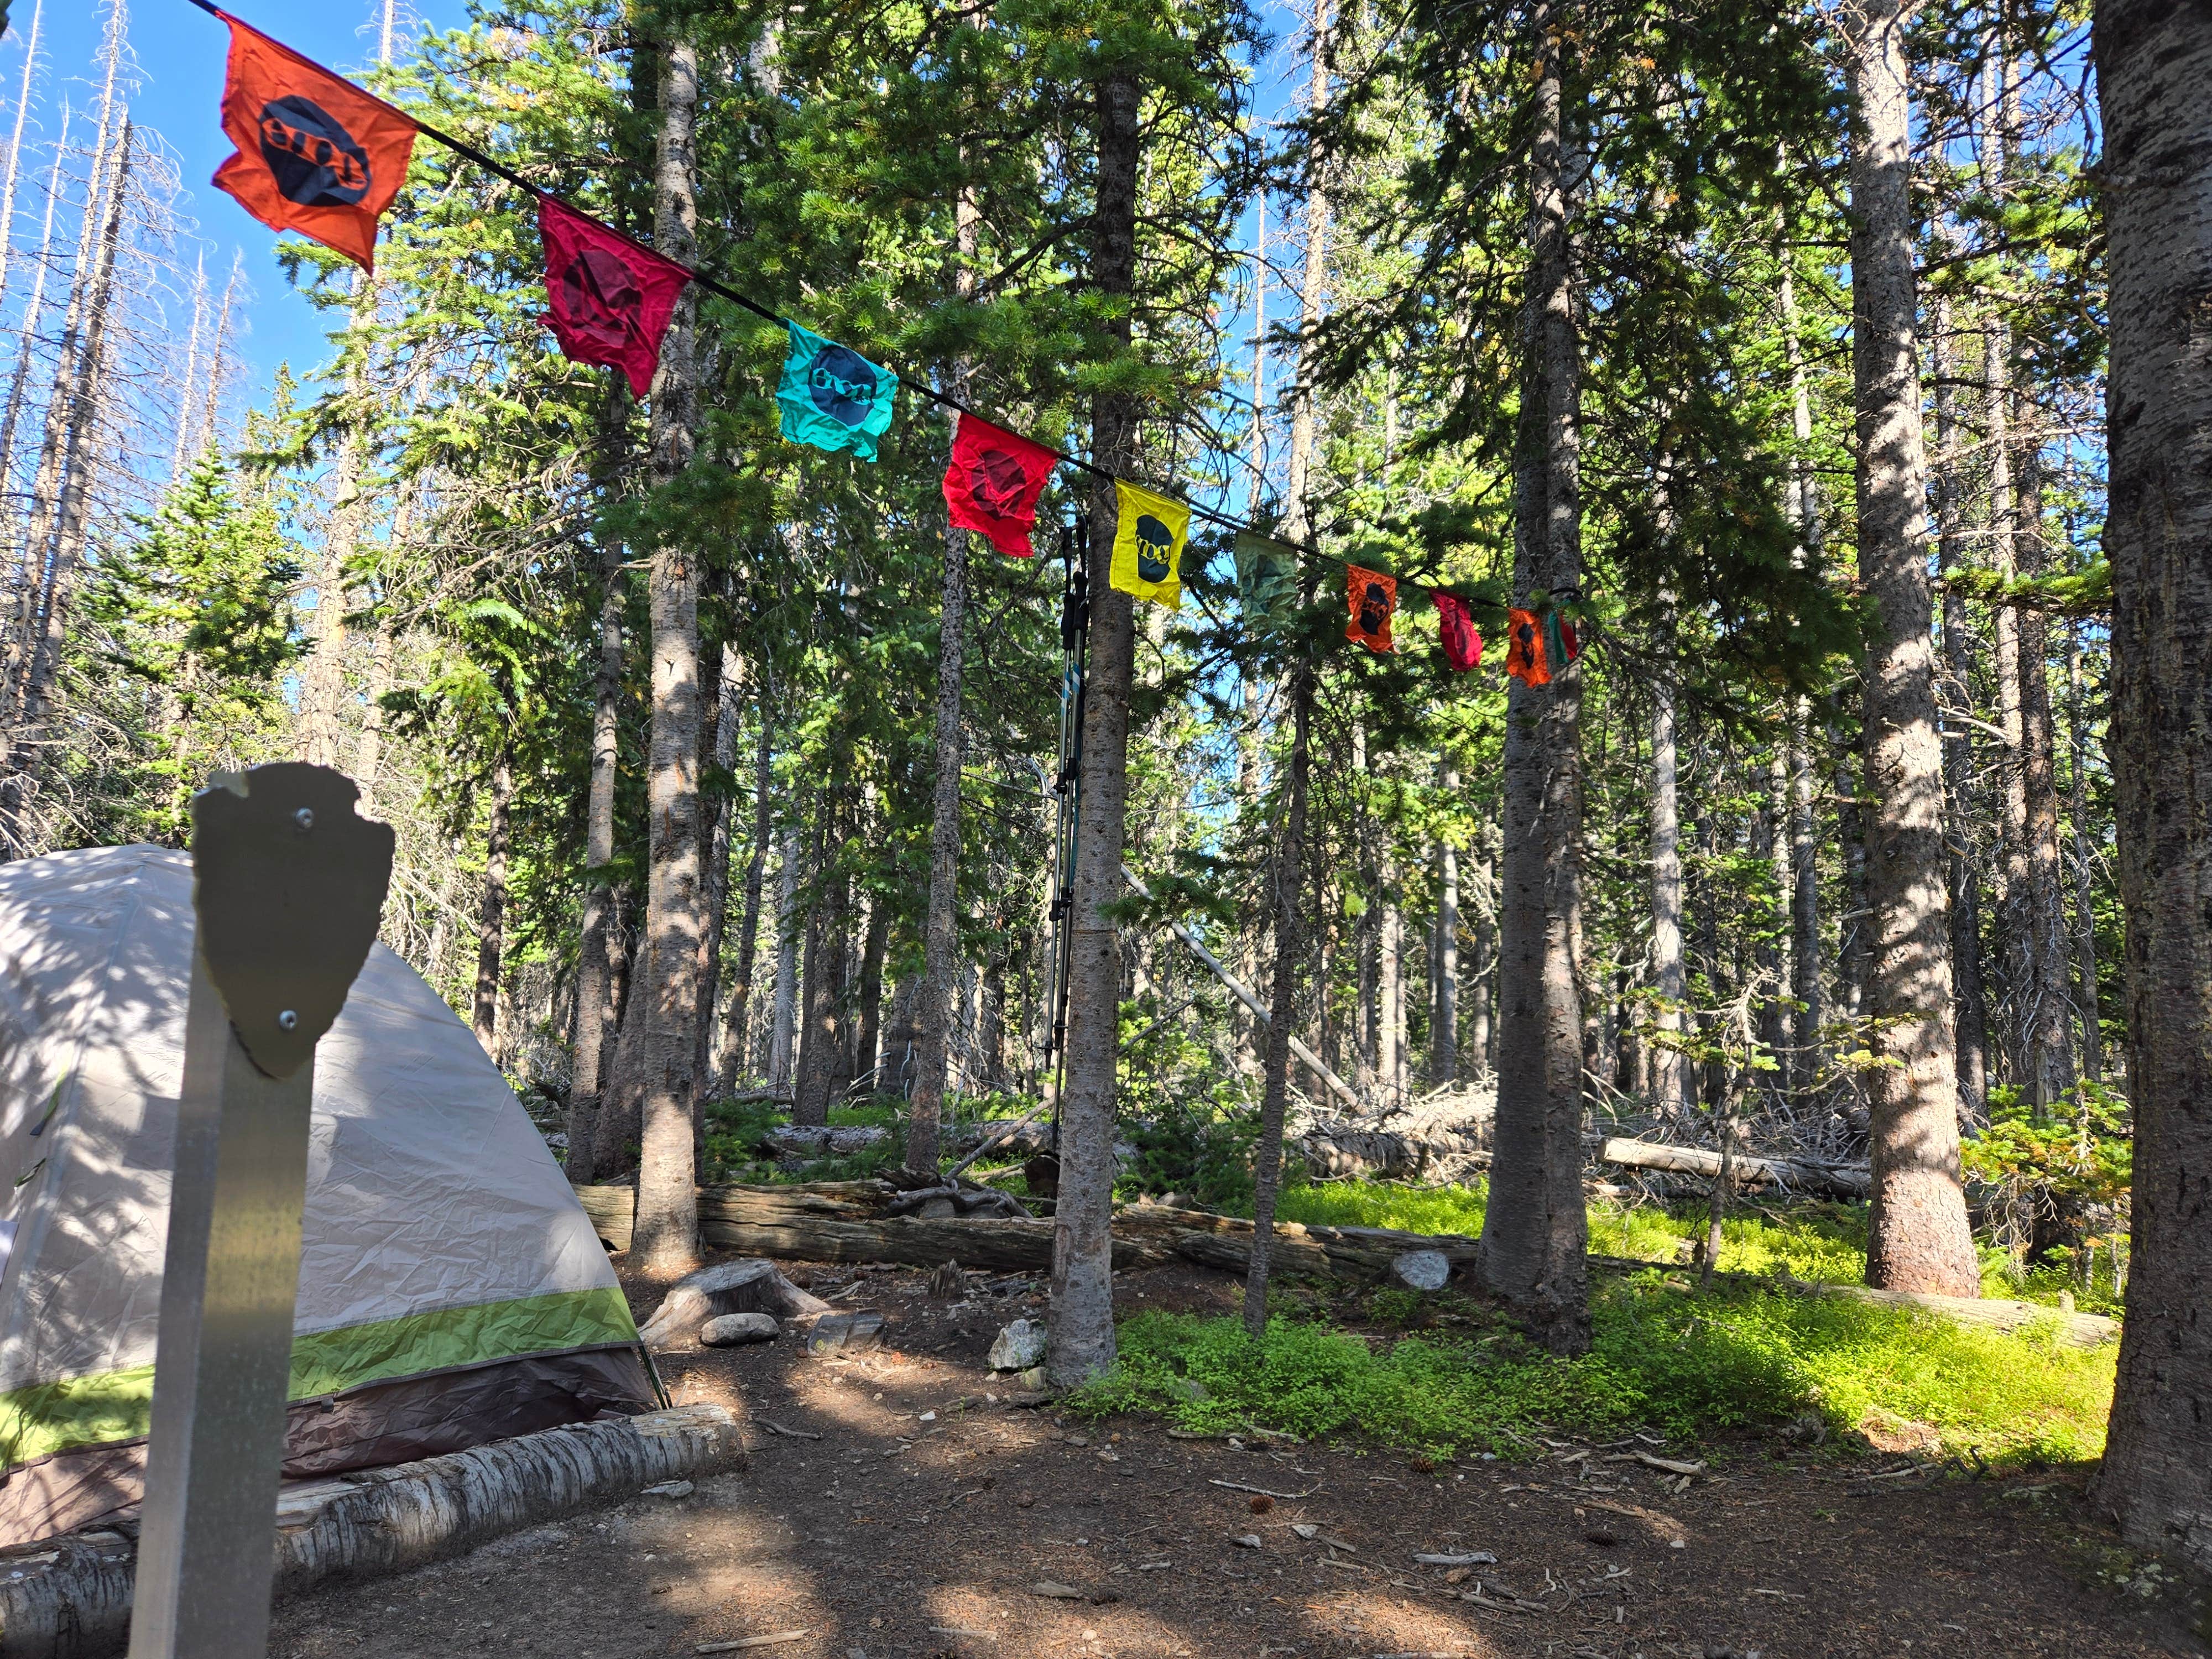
841,1221
1832,1180
69,1598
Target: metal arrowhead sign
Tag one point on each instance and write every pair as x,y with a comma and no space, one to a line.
289,881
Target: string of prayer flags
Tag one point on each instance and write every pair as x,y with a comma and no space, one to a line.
832,397
608,300
314,154
993,484
1267,579
1524,650
1372,599
1455,627
1150,530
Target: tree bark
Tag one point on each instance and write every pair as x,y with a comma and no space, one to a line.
1917,1235
1443,1035
868,1027
1535,1233
2085,867
783,1033
675,921
2048,1023
491,908
1810,1056
731,1071
1670,1068
1282,1004
940,935
596,1003
718,697
1082,1320
2153,63
1970,997
1481,1026
56,539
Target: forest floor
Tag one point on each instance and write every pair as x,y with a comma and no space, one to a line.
929,1521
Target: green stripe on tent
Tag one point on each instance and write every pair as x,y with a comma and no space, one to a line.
45,1418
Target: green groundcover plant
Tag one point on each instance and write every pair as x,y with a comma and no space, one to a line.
1686,1364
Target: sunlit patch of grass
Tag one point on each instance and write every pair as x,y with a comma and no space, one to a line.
1821,1243
1681,1363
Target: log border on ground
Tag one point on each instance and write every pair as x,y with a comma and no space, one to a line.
72,1599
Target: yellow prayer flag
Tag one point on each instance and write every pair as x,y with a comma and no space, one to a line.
1149,533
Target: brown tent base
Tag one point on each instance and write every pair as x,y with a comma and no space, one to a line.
377,1423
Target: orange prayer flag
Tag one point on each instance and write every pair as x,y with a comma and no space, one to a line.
1524,650
314,152
1371,598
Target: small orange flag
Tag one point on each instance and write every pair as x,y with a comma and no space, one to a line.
1524,650
315,153
1371,598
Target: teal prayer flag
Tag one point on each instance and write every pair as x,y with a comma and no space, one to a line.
832,397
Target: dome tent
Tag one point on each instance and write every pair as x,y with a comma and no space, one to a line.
452,1290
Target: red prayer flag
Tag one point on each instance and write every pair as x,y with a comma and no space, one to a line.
1524,654
607,299
1463,644
314,153
1371,598
993,484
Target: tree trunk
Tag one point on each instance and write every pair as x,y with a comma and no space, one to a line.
1390,949
491,909
783,1034
1917,1235
868,1035
1969,996
1481,1026
2153,63
731,1071
18,600
1777,1028
68,403
940,935
1443,1030
667,1203
1282,1003
1082,1318
2048,1021
718,742
1810,1055
1670,1068
1535,1233
596,1002
2085,867
60,494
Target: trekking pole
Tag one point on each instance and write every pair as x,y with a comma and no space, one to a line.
288,885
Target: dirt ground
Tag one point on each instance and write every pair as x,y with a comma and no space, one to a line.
908,1514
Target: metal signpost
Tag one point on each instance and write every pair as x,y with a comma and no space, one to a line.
288,882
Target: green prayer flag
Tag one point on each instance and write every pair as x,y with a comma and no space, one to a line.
1267,579
832,397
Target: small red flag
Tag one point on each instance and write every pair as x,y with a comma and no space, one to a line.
1524,654
993,484
1371,598
1463,644
607,299
314,153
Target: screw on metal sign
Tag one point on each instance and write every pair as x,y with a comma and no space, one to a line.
288,882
